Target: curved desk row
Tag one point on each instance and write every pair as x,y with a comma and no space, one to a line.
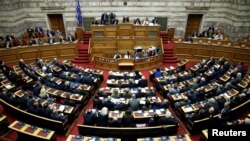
128,64
29,54
128,134
56,125
202,51
198,125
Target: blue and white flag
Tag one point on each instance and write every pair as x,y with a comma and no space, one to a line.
79,18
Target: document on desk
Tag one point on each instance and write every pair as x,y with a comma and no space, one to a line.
61,108
158,111
188,109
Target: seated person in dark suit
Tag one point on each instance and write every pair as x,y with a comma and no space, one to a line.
168,119
38,29
90,117
137,22
112,18
155,121
108,103
46,110
114,122
8,44
137,75
125,19
128,119
51,41
155,21
58,116
97,103
32,41
221,101
104,18
30,31
115,22
102,117
10,38
120,106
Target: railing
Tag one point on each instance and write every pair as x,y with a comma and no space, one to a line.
139,64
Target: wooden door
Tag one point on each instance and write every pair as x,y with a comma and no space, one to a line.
56,22
193,24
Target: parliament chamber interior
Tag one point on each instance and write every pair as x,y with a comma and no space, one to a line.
124,70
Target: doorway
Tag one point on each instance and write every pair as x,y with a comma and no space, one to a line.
193,24
56,22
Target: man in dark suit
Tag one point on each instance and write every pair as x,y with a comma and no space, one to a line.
125,19
225,113
128,119
104,18
221,101
112,18
50,40
89,117
32,41
114,122
155,121
155,21
38,29
10,37
30,31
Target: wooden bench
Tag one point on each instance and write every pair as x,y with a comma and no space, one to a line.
127,134
56,125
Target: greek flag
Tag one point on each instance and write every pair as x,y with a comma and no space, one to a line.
79,18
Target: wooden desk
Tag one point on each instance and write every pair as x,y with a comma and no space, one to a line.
87,138
202,51
171,138
126,66
29,54
29,132
125,29
139,64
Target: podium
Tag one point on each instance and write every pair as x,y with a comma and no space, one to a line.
126,64
79,33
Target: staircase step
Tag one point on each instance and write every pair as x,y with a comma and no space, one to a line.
168,49
169,58
168,55
83,51
80,61
170,61
83,55
81,58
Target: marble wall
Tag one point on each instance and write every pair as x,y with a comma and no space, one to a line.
231,15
